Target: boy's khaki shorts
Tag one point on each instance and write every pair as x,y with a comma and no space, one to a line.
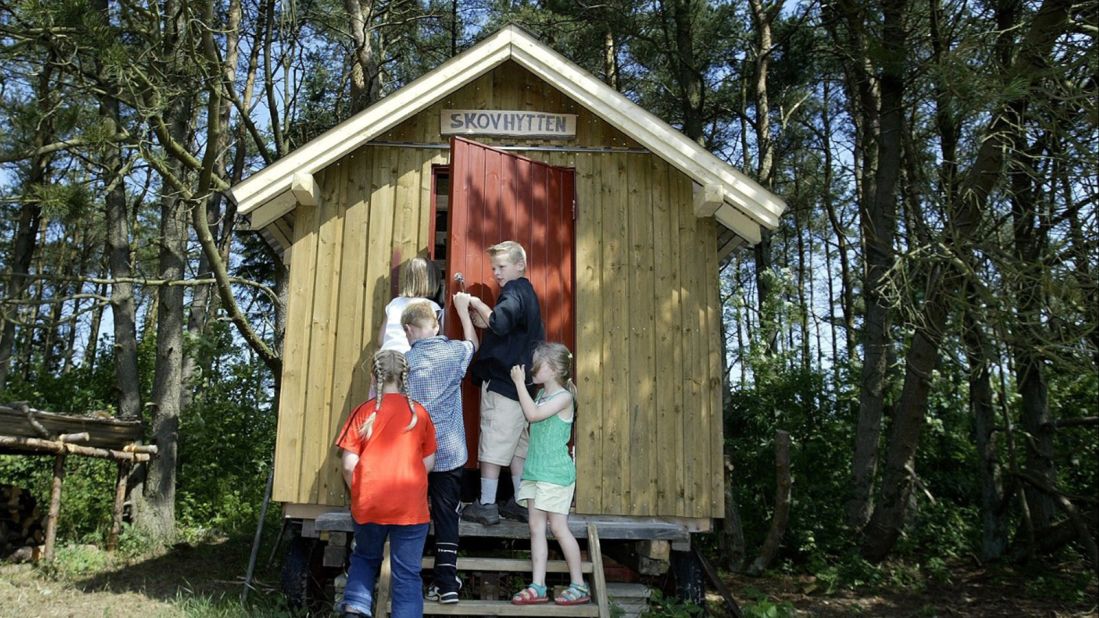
503,429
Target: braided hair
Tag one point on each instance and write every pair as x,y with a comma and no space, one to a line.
388,367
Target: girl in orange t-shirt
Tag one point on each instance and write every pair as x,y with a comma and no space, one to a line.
388,447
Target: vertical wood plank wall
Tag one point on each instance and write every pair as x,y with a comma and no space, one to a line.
649,435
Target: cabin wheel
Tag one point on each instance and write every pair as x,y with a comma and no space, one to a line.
689,585
306,582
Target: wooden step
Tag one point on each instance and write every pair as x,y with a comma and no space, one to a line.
611,527
505,608
516,565
599,605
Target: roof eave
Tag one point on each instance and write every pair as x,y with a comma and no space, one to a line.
746,205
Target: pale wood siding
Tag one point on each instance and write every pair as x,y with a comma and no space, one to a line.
340,280
648,435
649,425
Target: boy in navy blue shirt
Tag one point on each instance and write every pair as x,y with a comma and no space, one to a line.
514,329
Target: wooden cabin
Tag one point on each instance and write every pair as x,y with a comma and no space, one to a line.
625,222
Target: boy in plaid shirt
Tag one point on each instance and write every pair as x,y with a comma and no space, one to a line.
436,368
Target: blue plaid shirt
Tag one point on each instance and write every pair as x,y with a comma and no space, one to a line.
436,367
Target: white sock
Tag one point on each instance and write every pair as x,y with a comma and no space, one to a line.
515,481
488,490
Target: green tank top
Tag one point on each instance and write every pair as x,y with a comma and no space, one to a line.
548,457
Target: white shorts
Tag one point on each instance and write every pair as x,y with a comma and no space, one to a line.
548,497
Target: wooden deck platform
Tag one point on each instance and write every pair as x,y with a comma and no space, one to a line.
610,528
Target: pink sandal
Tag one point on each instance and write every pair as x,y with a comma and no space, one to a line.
534,594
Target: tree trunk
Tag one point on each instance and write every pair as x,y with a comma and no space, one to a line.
610,60
92,347
158,514
762,18
123,308
879,120
781,516
365,68
30,218
203,299
160,485
979,355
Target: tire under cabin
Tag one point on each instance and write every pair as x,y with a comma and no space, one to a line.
625,222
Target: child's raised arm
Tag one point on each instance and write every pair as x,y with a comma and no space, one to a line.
461,305
531,410
480,312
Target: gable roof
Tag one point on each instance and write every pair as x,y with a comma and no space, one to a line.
735,200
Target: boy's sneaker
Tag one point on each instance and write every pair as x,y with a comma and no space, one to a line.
512,510
449,598
485,514
446,598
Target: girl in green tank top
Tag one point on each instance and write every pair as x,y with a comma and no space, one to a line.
549,475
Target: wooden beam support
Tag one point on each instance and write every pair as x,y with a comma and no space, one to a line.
724,251
272,211
48,446
119,503
738,222
707,199
305,189
55,504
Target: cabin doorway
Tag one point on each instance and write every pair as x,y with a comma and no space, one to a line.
486,196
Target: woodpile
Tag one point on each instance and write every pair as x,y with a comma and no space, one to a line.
21,524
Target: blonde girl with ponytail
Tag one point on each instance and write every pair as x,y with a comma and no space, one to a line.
387,448
549,475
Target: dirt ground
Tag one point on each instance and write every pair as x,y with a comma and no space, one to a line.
205,579
970,591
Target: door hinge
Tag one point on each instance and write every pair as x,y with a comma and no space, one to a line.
574,209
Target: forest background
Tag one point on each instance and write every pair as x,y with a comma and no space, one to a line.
923,327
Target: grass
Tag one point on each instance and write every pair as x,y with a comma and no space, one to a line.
201,578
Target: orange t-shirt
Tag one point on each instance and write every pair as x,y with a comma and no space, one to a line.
389,485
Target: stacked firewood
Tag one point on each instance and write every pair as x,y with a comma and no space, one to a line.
21,524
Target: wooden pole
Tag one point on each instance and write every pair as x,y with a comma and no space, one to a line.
119,503
259,535
51,446
55,503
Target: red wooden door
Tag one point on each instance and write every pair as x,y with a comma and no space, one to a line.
497,196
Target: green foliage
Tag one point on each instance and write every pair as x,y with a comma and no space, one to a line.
1068,587
762,606
226,443
852,572
225,449
663,606
817,420
75,561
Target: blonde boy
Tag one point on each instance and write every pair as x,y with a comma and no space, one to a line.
513,329
436,366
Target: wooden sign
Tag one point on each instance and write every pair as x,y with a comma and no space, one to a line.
507,122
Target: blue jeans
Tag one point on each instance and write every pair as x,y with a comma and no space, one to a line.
406,551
